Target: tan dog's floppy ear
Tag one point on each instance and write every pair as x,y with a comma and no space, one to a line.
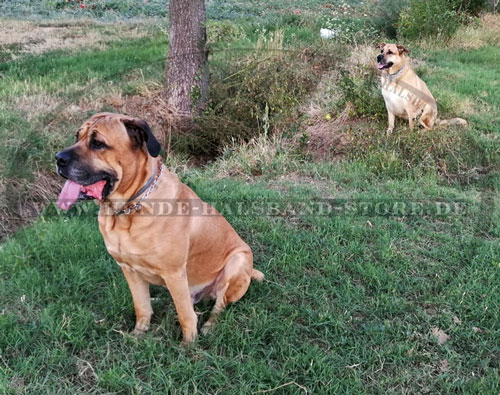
140,133
402,49
381,45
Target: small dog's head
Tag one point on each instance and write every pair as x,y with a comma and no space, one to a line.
390,55
107,148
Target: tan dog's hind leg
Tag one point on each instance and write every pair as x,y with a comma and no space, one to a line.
232,285
177,285
428,117
142,300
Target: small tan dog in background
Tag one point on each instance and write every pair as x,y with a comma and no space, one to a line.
406,95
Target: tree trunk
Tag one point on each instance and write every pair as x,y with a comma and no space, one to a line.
186,76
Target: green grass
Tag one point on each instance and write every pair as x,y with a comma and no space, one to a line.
347,306
104,9
349,301
469,75
54,71
128,9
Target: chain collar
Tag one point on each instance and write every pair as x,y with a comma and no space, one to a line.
392,77
138,205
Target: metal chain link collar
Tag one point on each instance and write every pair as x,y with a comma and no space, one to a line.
138,206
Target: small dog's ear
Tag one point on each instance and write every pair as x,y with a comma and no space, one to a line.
140,133
402,49
381,45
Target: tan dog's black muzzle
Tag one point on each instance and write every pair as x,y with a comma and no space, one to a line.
63,158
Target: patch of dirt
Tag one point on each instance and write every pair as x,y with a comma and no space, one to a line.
151,107
444,365
15,214
327,139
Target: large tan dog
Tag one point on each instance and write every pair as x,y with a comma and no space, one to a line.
405,94
192,250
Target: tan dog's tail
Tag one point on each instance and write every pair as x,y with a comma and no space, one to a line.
256,275
453,122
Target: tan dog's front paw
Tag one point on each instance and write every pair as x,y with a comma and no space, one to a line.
189,336
389,131
206,328
140,327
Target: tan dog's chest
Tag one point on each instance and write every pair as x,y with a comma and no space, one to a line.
129,256
129,253
151,254
396,98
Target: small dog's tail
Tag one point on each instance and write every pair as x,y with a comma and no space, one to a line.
453,122
256,275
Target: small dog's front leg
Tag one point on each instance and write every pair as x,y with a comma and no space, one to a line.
392,119
411,118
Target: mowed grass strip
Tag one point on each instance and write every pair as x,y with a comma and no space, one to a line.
468,74
52,72
349,304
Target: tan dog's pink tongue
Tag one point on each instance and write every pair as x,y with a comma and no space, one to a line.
71,191
69,195
94,190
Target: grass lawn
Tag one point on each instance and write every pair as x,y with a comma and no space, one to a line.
349,304
397,291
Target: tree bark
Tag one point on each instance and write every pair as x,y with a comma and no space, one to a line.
186,76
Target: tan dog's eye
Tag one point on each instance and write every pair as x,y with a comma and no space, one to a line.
96,144
389,53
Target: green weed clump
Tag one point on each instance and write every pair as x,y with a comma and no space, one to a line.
251,95
429,18
440,18
451,153
363,92
385,16
416,19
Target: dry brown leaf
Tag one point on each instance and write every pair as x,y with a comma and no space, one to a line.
441,336
443,365
456,320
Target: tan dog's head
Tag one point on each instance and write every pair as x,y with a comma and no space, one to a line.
109,149
390,55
